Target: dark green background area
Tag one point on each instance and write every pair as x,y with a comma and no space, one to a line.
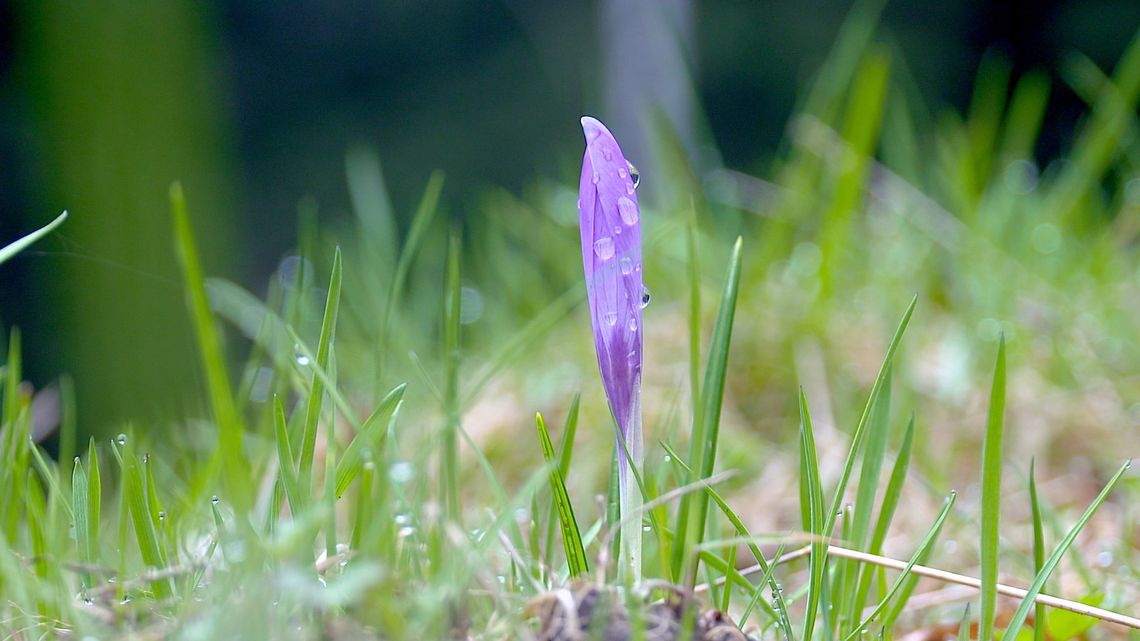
253,105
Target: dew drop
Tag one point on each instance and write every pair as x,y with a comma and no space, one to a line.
622,172
162,516
214,499
76,460
634,174
607,154
646,528
611,318
645,296
617,230
405,532
626,266
604,247
400,472
121,439
403,519
629,188
300,356
633,324
628,210
596,177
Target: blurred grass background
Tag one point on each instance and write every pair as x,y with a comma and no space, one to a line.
254,106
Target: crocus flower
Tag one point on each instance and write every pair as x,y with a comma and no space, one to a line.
609,217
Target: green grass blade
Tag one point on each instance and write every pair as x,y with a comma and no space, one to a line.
780,612
135,494
991,498
369,195
571,536
80,512
330,488
1019,616
370,438
923,549
694,309
894,488
565,453
704,443
20,244
294,492
860,429
421,220
964,625
68,441
811,511
874,451
1026,113
212,360
365,500
449,452
317,390
1038,549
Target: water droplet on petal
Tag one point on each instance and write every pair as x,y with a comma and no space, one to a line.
596,177
644,297
611,318
617,230
633,324
607,154
628,210
629,188
604,247
634,174
622,173
626,266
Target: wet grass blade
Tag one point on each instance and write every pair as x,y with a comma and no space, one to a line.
705,437
1019,616
317,390
135,494
991,498
212,359
20,244
571,535
370,438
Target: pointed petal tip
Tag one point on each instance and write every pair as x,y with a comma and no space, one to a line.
592,127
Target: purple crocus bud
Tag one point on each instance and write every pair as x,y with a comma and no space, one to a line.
611,254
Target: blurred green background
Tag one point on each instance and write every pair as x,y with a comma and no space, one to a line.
253,106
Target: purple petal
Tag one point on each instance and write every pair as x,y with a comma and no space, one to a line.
610,222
